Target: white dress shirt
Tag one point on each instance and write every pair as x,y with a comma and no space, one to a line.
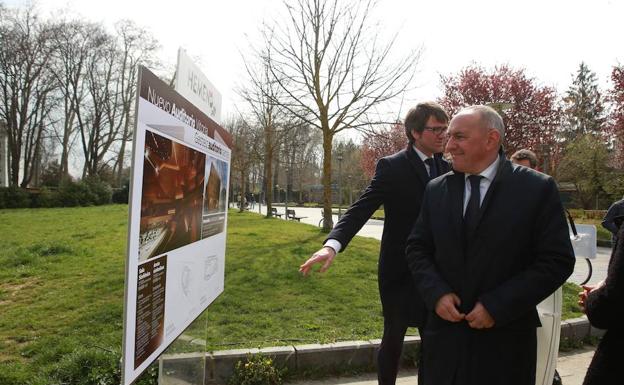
423,157
484,184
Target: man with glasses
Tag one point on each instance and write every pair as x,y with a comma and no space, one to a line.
398,185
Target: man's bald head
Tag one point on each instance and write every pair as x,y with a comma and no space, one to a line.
475,136
490,119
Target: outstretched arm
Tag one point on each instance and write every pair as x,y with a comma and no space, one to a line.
352,221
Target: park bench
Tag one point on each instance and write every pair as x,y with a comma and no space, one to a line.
275,213
290,214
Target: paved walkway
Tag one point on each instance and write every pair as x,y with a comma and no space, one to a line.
571,366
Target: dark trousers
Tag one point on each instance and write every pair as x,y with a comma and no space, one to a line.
389,356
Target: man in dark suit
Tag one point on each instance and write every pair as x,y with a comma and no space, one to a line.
398,185
490,243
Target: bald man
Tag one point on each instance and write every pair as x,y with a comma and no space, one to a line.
490,243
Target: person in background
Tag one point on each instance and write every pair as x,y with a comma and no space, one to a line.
616,210
398,185
526,158
604,306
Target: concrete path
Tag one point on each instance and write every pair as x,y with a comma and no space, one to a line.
600,266
571,366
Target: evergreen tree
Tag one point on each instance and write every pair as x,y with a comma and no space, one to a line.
584,108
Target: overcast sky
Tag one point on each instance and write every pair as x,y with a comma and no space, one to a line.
549,38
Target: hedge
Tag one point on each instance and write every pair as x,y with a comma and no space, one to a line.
86,192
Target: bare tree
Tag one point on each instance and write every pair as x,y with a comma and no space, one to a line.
301,145
328,62
97,76
135,46
244,137
73,47
96,129
352,178
26,88
261,93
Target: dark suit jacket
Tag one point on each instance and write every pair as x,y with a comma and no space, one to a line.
615,210
605,310
398,184
520,253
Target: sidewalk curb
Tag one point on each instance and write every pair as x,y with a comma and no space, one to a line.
577,330
340,356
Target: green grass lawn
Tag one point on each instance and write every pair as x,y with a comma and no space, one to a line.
61,292
62,276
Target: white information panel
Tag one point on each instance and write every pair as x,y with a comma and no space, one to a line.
178,221
584,242
195,86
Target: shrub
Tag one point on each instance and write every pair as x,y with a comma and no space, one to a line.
588,214
14,197
95,366
13,374
88,366
101,192
257,370
74,194
121,195
87,192
46,197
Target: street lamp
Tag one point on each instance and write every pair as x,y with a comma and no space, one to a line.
286,202
276,198
339,157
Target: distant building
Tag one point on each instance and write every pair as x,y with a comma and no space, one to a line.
4,156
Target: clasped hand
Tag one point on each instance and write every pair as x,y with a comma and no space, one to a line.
478,318
586,290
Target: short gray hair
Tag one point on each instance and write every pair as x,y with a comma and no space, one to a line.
489,117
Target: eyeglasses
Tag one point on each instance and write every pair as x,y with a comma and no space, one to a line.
437,129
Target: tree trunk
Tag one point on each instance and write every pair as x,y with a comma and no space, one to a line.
120,161
269,175
14,150
68,125
328,222
65,156
276,178
241,203
122,150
